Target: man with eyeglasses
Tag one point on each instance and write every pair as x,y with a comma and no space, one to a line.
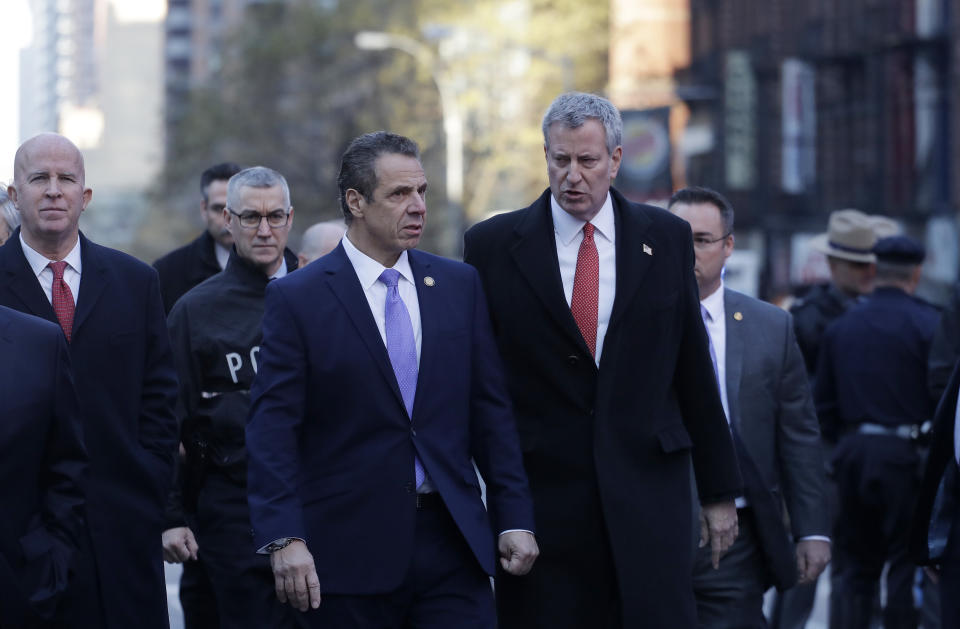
215,332
766,396
183,268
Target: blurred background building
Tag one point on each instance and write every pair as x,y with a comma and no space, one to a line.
801,108
791,108
93,72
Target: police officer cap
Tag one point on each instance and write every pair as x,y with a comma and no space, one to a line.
899,250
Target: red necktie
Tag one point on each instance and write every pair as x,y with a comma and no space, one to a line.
586,289
62,298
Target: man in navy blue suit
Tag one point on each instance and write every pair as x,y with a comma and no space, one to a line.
108,305
379,385
41,447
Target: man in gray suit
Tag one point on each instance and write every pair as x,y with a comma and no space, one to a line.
766,396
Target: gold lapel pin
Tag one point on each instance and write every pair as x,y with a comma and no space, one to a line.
738,316
428,281
647,249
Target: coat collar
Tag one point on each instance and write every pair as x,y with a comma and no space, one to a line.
535,253
251,276
20,281
23,284
93,281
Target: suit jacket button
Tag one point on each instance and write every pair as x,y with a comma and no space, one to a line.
573,359
409,487
413,431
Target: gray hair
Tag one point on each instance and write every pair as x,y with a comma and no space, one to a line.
575,108
256,177
8,211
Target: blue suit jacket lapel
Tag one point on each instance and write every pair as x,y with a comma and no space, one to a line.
734,358
346,287
427,297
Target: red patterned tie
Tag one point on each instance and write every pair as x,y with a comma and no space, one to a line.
62,298
586,289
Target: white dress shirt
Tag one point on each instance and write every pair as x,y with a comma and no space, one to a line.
714,313
568,231
716,324
40,265
280,271
368,271
222,253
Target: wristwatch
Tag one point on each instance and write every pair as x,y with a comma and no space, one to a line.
279,544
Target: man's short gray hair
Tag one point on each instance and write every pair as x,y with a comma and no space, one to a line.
9,213
575,108
256,177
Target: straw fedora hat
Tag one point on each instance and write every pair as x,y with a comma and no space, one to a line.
850,236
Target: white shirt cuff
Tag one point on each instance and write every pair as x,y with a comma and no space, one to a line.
515,531
819,538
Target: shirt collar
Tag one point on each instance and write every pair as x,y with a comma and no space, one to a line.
714,304
567,226
369,270
38,262
281,271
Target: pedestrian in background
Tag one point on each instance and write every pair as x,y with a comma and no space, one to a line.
183,268
872,398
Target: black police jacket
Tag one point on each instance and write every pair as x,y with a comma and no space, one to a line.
812,313
215,335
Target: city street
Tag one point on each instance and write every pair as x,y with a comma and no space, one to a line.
817,621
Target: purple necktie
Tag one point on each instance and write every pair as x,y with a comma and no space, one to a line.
402,349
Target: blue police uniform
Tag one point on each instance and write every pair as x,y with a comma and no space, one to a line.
872,397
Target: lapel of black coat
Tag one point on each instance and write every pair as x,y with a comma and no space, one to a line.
21,282
535,254
734,357
93,280
346,287
636,247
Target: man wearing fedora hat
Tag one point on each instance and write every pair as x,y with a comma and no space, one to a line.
871,396
848,245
